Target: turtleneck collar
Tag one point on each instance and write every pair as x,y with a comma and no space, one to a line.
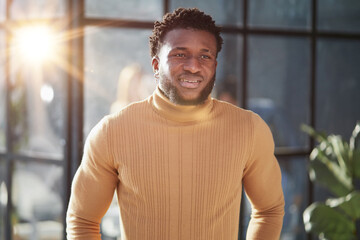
180,113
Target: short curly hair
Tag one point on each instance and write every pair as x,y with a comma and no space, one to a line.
188,18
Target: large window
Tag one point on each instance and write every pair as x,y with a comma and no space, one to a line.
292,62
33,114
2,94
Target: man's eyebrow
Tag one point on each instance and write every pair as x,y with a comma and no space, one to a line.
207,51
180,48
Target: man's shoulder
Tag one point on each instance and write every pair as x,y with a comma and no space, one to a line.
237,116
232,110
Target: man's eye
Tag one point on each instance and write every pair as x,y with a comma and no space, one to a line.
179,55
205,57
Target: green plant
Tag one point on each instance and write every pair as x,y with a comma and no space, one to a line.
335,164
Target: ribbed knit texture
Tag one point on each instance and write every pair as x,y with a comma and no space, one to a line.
178,172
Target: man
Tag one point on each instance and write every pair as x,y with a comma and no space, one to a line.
178,160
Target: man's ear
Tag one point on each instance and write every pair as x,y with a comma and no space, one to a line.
155,64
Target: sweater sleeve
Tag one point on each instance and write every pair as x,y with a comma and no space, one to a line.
262,184
92,188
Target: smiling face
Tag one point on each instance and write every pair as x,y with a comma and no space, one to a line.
186,65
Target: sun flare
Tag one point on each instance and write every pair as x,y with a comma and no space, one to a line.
44,46
35,43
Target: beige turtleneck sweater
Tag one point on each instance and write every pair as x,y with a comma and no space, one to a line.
178,172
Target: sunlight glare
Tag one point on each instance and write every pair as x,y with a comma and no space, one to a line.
3,194
47,93
35,43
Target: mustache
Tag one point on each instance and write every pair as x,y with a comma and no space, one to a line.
191,75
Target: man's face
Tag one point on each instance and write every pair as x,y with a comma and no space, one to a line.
186,65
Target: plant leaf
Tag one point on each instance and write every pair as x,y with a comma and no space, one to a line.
326,221
341,152
354,148
338,236
328,173
318,136
356,163
350,204
355,137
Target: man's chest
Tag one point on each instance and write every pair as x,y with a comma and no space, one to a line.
176,163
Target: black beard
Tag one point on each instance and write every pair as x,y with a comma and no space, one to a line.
170,91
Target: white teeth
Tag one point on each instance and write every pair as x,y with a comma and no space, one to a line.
184,80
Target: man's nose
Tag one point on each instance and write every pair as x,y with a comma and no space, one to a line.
192,65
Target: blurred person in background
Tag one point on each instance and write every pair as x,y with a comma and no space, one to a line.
178,160
131,87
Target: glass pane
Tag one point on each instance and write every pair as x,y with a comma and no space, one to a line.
38,96
37,194
280,13
295,188
125,9
229,69
339,15
113,59
226,12
3,198
2,10
294,183
37,9
2,93
279,73
338,86
110,224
